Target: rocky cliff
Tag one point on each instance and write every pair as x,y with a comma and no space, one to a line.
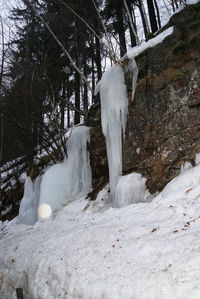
164,117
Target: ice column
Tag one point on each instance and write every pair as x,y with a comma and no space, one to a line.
114,110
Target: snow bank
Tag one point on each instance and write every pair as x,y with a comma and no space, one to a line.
141,251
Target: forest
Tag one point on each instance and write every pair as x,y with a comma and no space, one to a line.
53,60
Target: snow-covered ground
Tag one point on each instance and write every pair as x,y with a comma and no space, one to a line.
146,250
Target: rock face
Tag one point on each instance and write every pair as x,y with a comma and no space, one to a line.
163,129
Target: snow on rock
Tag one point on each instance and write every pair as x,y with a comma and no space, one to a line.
132,53
130,189
114,109
141,251
190,2
71,179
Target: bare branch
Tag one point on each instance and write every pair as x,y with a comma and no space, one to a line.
81,112
131,24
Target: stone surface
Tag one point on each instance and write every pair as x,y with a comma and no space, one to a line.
163,129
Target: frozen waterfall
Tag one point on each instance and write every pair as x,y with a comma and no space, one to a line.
114,110
62,182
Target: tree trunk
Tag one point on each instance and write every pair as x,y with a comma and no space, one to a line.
120,29
158,14
152,16
132,36
85,89
77,98
144,20
93,82
62,106
98,58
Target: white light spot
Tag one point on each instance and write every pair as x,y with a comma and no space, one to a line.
137,151
44,211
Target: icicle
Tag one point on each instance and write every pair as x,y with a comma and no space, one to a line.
114,110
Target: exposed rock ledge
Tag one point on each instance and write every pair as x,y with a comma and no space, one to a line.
163,129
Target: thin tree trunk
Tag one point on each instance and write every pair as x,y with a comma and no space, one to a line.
144,18
120,29
158,13
62,107
77,80
3,54
98,58
152,16
85,90
68,107
77,99
2,135
132,28
93,81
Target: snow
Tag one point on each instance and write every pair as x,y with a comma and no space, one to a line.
132,53
190,2
197,159
114,109
142,251
130,189
185,166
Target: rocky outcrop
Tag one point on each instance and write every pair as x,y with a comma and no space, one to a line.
164,118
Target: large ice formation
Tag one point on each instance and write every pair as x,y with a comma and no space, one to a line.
61,183
114,110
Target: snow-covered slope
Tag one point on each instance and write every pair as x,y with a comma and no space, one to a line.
146,250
